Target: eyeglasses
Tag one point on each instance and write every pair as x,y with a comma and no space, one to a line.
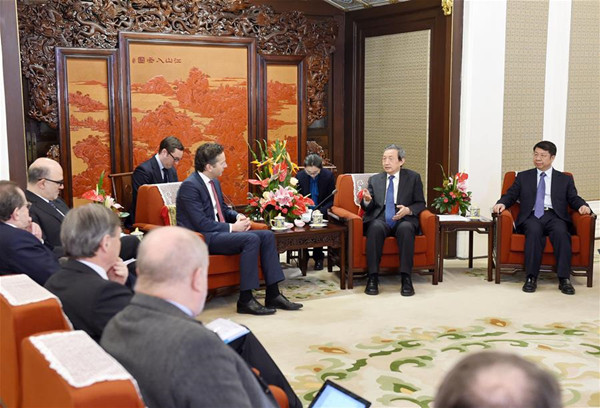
59,182
175,159
28,204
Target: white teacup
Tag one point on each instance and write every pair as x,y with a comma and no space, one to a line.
278,222
306,217
299,223
317,217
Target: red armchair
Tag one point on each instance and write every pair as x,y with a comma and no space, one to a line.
223,271
510,246
345,208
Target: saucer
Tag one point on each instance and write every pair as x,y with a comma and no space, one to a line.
279,228
318,225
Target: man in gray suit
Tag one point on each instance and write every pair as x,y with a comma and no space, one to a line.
392,203
176,361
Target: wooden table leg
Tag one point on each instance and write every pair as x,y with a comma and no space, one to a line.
303,261
441,257
490,252
470,249
343,275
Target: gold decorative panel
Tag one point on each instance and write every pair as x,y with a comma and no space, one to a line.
397,98
582,144
524,81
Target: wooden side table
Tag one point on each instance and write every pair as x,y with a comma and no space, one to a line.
332,236
481,226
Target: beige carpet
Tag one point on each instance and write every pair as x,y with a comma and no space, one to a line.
394,350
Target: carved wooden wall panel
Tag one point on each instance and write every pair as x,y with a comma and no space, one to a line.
97,23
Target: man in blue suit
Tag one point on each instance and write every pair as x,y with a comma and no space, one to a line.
21,247
200,207
319,183
159,168
544,194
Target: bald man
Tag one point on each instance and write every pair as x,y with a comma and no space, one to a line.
44,183
177,361
492,379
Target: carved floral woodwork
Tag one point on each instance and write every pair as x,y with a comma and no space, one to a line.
43,26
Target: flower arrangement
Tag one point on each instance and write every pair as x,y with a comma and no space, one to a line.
454,196
277,193
98,195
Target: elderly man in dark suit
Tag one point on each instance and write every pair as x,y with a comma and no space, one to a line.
91,284
160,168
392,203
21,247
319,183
48,210
544,194
200,207
176,361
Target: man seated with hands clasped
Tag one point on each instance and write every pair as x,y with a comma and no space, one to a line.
200,207
392,203
544,194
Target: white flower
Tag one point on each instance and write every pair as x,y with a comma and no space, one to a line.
293,181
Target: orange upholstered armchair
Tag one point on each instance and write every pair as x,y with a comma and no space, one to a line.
151,212
26,308
510,246
346,208
44,386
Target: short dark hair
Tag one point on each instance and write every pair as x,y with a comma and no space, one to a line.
84,227
36,173
207,154
10,199
547,146
313,160
171,143
401,152
518,383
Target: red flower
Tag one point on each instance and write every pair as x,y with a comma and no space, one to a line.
445,200
462,177
93,196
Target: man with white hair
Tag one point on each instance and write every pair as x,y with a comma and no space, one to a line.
177,361
497,380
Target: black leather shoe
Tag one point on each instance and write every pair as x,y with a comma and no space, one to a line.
530,284
407,286
319,265
254,308
372,285
281,302
565,286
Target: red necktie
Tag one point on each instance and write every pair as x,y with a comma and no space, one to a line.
217,201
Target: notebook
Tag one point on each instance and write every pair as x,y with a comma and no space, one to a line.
332,395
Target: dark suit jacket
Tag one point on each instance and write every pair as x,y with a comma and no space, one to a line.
176,361
195,210
410,194
88,300
524,189
22,252
326,184
148,173
47,217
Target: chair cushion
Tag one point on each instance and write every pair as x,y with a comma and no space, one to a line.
390,245
517,244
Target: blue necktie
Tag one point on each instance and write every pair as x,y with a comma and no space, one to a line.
314,190
538,209
390,203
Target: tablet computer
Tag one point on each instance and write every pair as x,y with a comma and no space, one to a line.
332,395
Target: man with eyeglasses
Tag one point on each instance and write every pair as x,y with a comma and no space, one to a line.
21,247
158,169
48,210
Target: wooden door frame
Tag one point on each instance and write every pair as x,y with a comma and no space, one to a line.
444,104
